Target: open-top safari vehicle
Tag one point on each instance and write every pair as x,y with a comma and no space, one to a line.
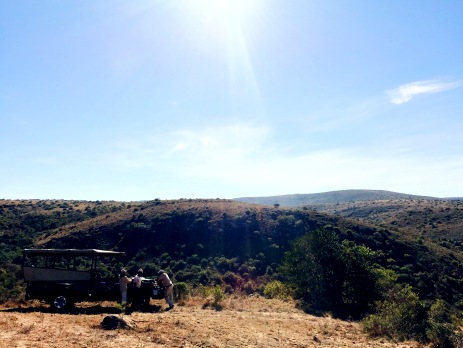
65,276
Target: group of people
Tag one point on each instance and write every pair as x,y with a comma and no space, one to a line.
136,282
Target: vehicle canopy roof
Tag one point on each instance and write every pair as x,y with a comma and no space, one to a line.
73,252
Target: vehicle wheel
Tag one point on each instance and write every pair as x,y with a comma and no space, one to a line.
61,302
147,300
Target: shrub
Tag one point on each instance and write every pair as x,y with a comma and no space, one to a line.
216,294
248,288
278,290
181,291
203,278
440,331
232,279
401,315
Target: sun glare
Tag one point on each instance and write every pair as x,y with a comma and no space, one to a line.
226,30
222,14
224,9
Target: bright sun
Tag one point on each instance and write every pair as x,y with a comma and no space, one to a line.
220,14
224,9
224,30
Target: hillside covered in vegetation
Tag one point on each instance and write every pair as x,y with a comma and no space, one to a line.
416,218
237,245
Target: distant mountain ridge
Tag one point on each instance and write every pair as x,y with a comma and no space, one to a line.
341,196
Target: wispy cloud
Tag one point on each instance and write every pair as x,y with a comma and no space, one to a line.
407,92
179,147
244,160
218,146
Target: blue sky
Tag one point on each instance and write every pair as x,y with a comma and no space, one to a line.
144,99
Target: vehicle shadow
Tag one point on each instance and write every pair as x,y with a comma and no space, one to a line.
78,310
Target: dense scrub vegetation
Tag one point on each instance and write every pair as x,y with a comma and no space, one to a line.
344,279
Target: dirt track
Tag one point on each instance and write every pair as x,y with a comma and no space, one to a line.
246,322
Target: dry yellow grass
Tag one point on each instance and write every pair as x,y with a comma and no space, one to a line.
243,322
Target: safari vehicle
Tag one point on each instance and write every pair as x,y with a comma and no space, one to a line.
65,276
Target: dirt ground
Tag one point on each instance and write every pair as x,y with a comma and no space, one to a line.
242,322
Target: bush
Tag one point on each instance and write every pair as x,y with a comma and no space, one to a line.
232,279
185,276
216,294
181,291
440,331
203,277
278,290
10,285
401,315
248,288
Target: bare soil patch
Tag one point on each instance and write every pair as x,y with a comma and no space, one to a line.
242,322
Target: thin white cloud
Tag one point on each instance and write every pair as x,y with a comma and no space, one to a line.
407,92
327,170
179,147
215,146
241,160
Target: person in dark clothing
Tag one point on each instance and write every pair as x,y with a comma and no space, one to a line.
137,301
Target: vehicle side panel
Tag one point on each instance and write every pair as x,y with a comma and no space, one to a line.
33,274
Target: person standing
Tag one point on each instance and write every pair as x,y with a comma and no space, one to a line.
169,288
137,296
123,281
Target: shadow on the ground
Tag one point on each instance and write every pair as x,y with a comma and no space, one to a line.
96,309
146,309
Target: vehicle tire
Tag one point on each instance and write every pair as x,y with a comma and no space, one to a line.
146,301
61,302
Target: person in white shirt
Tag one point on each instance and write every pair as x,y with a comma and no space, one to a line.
137,296
169,288
123,281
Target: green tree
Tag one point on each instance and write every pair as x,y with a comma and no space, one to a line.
330,276
313,266
359,279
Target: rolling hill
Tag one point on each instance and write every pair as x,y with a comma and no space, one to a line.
415,217
297,200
